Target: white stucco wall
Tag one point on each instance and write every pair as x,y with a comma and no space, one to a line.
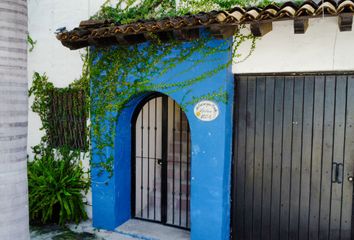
322,48
60,64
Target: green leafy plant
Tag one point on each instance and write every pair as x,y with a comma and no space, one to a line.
56,182
40,91
32,43
43,91
126,11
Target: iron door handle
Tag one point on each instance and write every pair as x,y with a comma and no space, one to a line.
337,173
340,173
334,172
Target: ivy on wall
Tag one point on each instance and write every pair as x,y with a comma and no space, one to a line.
31,43
134,74
56,178
107,68
62,126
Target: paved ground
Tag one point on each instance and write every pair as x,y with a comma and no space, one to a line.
131,230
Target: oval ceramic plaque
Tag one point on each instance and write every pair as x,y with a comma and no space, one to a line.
206,110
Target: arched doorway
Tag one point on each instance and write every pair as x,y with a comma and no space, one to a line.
161,162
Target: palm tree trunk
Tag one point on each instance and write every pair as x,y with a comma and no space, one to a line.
13,120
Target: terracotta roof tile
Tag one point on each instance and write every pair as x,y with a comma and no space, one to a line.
107,32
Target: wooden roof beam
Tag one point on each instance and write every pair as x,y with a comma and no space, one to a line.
186,34
75,45
259,29
165,36
345,22
101,42
133,39
222,32
121,40
301,25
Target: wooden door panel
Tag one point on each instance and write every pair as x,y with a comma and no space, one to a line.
292,133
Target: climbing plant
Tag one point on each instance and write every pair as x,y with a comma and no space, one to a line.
51,104
120,73
115,80
56,178
113,76
31,43
126,11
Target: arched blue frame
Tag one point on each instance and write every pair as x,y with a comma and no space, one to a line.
211,151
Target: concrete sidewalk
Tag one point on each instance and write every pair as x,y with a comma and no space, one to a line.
132,230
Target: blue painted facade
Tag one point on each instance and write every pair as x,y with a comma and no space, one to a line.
211,151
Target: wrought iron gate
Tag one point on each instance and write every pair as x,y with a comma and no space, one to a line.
161,162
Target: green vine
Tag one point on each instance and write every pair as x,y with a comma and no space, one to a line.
108,69
31,43
127,11
134,74
57,180
40,91
133,68
43,91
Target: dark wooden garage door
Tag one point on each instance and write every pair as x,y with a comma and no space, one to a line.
293,157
